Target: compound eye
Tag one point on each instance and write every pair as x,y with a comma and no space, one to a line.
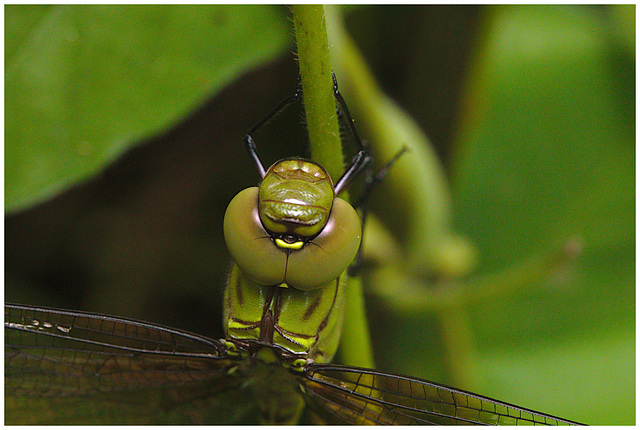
307,267
249,244
329,254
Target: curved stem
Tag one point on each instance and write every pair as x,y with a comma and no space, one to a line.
420,191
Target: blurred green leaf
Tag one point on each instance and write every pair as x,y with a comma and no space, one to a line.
602,396
84,83
546,154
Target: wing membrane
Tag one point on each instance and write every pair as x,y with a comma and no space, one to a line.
72,367
363,396
63,366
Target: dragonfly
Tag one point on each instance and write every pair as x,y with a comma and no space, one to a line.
292,241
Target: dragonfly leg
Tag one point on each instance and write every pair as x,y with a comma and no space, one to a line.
372,180
250,144
358,163
362,159
345,111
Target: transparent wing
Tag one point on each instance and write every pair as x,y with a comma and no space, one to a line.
74,367
342,394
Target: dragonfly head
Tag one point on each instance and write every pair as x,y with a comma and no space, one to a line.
292,229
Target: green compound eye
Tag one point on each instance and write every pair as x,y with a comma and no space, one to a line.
312,266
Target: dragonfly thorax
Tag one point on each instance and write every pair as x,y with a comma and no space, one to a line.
267,352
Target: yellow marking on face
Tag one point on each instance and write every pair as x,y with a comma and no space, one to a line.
295,245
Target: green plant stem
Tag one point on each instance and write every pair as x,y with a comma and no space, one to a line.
355,329
406,293
421,194
459,346
326,149
317,88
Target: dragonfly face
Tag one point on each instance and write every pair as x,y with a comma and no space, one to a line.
291,230
292,240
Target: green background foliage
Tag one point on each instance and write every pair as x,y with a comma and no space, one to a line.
123,129
98,79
